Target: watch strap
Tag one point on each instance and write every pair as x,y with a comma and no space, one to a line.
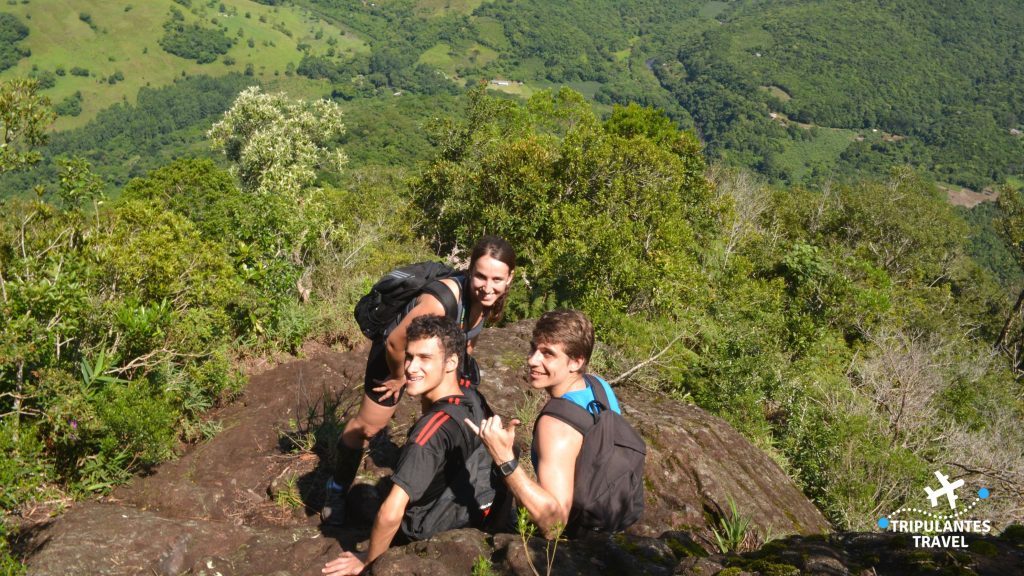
507,468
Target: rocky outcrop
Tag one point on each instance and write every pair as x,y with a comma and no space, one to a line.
849,554
695,461
111,538
244,502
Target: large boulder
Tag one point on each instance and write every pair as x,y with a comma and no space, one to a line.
110,539
696,462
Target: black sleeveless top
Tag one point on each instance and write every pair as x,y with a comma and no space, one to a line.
435,289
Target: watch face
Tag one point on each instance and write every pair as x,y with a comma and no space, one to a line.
508,468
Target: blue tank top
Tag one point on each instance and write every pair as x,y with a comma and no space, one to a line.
585,398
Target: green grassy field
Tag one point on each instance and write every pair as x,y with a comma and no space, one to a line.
779,93
124,38
439,56
491,32
713,9
799,157
521,90
441,7
450,59
588,88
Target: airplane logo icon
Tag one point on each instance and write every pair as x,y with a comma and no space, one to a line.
947,490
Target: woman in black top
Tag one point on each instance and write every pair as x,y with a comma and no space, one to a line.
481,293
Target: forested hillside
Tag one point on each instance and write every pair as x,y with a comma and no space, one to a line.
942,81
743,195
800,91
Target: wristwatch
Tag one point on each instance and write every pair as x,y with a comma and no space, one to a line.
507,468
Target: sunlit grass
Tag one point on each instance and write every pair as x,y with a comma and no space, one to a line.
125,37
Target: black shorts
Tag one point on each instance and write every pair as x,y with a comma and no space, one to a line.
377,370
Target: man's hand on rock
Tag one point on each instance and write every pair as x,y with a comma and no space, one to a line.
348,564
496,437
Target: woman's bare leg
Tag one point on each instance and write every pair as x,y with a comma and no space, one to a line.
371,418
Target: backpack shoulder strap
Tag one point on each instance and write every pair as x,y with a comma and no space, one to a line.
459,412
568,412
446,296
597,387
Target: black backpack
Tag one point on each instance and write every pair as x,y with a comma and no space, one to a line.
382,308
608,491
468,502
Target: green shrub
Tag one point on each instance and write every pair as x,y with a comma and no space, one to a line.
377,238
159,255
139,421
24,465
12,31
109,372
70,106
45,79
9,565
194,42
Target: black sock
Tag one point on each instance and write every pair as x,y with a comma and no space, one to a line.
346,464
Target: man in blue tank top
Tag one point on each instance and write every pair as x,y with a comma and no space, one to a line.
560,350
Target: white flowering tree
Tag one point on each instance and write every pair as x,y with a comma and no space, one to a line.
277,143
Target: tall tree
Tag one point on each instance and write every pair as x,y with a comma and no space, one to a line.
277,143
24,117
623,205
1011,228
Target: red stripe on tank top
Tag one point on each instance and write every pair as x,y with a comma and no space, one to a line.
431,427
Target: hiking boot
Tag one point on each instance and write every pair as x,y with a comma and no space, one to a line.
333,511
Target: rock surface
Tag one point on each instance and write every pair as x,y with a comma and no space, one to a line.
630,555
245,501
110,538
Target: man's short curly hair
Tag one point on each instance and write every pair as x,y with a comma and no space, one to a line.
453,341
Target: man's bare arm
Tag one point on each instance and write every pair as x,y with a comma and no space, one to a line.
558,444
395,345
389,518
384,528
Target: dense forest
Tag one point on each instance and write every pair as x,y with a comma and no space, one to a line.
803,276
949,96
801,92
